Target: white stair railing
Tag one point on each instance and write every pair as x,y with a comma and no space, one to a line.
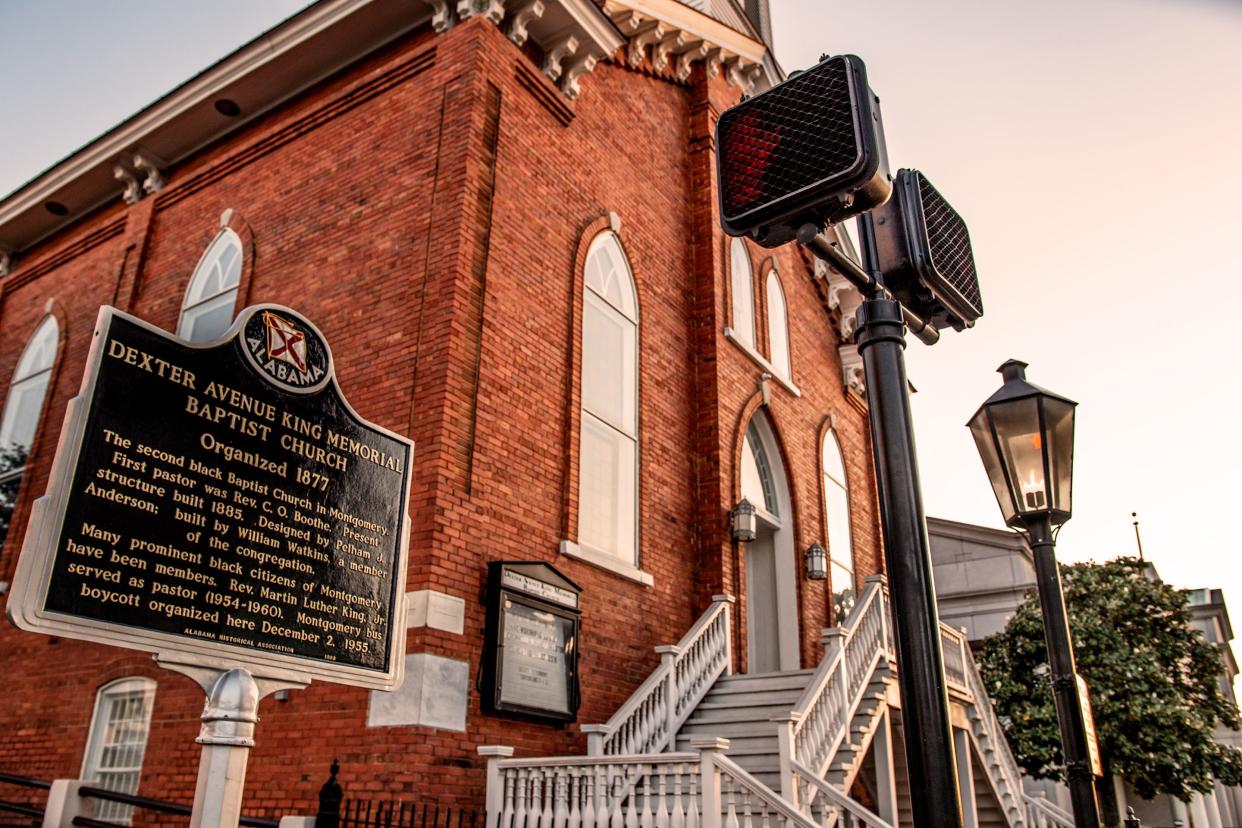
834,807
649,720
813,732
704,789
989,737
1040,813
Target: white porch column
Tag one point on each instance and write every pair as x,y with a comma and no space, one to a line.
709,786
1198,813
1213,810
1179,812
885,777
965,778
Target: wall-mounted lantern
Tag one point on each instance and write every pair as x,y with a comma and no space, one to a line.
816,562
743,520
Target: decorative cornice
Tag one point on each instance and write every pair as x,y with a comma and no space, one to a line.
843,297
563,48
852,369
574,35
493,10
670,32
152,170
125,174
521,18
291,57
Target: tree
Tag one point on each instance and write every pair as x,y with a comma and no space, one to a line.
1153,679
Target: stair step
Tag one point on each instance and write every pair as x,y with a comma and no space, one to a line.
758,764
738,744
740,749
755,712
741,696
731,729
792,680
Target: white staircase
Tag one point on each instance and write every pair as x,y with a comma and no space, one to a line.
740,708
698,747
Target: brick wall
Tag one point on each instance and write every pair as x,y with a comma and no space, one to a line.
429,214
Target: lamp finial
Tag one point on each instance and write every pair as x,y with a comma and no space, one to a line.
1013,369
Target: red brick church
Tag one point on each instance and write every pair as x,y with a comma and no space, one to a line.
502,214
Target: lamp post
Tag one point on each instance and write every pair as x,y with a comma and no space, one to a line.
1025,436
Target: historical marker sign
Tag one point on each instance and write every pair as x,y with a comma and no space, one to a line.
223,501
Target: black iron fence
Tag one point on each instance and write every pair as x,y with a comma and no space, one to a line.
335,811
22,813
30,814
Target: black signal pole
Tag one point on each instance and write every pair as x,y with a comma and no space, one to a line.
934,794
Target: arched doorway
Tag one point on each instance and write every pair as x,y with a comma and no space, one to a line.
771,589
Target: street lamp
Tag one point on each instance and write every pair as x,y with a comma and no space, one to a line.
1025,437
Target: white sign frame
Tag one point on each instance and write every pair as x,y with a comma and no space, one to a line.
33,575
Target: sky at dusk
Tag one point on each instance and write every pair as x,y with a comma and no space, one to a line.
1093,149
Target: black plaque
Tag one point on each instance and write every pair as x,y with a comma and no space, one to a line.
531,642
225,496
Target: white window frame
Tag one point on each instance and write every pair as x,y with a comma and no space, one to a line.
780,353
742,294
622,561
27,374
192,308
98,741
832,444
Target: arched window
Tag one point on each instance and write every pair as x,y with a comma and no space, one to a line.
608,454
29,387
118,739
207,310
741,289
758,484
21,413
837,516
778,325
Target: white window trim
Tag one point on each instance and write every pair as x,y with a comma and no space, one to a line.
587,552
94,742
737,246
775,277
607,561
762,362
225,232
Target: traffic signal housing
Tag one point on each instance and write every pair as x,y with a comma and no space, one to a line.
923,249
810,149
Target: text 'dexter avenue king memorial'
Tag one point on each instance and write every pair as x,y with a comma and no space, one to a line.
223,501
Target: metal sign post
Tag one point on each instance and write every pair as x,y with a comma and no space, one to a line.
229,719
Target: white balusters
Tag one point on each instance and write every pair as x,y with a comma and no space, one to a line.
851,655
726,784
648,721
519,812
692,811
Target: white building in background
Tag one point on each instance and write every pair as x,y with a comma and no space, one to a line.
983,575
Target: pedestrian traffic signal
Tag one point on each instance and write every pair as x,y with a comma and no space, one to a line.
810,149
923,250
